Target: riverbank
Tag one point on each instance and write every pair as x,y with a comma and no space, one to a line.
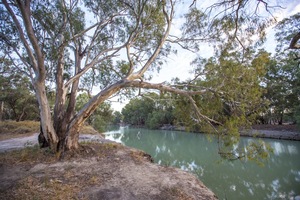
283,132
102,170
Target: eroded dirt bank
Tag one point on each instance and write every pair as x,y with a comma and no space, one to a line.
98,171
284,132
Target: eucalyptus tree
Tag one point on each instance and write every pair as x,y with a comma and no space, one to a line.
236,93
283,77
16,96
137,110
111,44
288,34
282,85
151,110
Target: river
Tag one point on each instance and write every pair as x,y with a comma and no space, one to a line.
279,178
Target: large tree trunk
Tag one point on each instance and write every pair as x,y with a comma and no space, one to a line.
45,115
72,135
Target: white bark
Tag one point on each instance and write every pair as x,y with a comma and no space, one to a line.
45,115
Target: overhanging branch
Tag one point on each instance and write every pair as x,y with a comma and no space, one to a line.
164,88
186,93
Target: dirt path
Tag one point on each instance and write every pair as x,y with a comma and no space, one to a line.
18,143
21,142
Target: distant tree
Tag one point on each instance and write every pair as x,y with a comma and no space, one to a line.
18,101
137,110
155,119
117,118
150,110
162,113
283,77
282,84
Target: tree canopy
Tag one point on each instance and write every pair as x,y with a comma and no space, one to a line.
114,45
283,76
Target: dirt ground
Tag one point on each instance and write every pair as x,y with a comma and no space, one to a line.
96,171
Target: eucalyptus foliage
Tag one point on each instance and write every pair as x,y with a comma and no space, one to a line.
283,77
113,46
16,96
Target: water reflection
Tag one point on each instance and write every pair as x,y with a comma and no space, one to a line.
278,179
280,148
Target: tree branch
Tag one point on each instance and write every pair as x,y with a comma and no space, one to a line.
22,35
159,47
92,63
162,87
188,94
26,13
294,42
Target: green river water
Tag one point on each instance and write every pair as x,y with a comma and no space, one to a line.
279,178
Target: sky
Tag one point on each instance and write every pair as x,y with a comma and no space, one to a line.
179,65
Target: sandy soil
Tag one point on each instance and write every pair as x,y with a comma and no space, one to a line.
97,171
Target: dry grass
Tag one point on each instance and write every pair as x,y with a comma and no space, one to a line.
87,129
52,185
19,127
28,155
43,188
140,156
34,154
13,129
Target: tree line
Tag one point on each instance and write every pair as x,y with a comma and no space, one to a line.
267,90
66,47
277,84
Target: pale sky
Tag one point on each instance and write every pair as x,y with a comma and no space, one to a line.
179,65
